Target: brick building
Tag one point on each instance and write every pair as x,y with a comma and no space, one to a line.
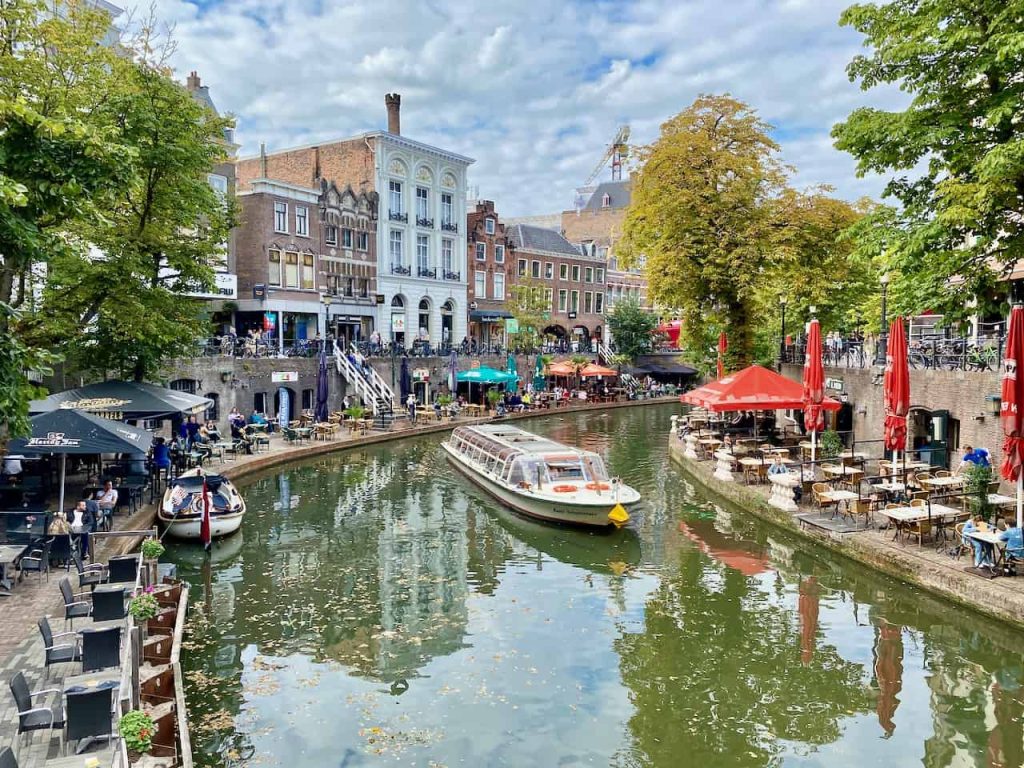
420,246
488,270
574,281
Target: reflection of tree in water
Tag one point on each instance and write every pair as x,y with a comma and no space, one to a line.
716,679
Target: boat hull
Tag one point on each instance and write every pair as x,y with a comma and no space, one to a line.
188,528
589,515
225,517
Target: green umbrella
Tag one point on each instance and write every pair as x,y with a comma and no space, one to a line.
511,365
485,375
539,382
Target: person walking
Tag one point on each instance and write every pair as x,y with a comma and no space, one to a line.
410,404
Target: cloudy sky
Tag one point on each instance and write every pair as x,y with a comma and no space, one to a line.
533,89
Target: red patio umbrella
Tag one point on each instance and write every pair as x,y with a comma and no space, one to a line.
1013,403
896,385
814,387
723,347
755,388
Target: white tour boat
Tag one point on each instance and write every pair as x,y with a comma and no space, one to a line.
539,477
181,510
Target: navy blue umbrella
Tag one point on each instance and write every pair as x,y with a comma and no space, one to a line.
320,412
404,380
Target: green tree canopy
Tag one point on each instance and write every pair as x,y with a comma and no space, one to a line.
956,153
632,328
531,307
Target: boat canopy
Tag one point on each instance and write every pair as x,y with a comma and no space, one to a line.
194,483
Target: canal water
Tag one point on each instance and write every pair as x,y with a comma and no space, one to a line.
377,610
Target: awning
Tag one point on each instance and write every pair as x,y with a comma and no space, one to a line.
489,315
123,400
752,389
593,369
485,375
68,431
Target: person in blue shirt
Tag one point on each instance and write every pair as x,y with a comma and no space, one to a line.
976,456
982,550
1014,540
161,454
191,431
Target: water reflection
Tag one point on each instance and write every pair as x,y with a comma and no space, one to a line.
379,608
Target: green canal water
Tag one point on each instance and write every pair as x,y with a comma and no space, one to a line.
377,610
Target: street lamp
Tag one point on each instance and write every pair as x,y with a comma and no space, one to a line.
782,338
883,337
326,300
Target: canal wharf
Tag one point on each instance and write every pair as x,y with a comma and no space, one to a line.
923,567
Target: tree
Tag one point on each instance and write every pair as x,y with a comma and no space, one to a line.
956,151
531,308
161,237
701,213
632,328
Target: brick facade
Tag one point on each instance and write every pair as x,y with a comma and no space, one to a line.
488,258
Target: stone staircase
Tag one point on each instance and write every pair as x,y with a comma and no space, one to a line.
368,385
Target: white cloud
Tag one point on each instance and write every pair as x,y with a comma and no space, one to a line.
533,89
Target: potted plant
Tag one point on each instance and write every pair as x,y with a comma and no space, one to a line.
151,551
355,412
831,444
493,398
136,728
978,478
144,606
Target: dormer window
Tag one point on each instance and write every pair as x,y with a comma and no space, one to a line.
489,226
606,201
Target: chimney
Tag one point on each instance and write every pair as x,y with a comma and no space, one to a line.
192,82
393,101
263,160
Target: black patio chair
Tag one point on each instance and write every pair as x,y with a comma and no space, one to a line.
7,758
74,606
37,560
90,713
60,550
101,648
107,604
89,575
123,569
58,653
35,718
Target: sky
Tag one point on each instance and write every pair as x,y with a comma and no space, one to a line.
534,90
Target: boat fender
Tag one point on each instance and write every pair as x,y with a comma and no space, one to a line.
565,489
598,486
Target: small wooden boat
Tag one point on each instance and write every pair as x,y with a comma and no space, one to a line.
540,478
181,510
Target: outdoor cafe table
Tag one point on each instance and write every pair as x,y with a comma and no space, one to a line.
475,409
93,679
992,538
945,482
911,466
9,554
852,457
843,471
842,498
105,757
905,516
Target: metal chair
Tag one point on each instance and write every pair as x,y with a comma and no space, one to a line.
7,758
61,546
38,560
33,718
107,604
90,713
58,653
123,569
101,648
89,575
74,607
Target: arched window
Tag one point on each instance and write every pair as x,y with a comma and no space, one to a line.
424,318
398,301
189,386
213,412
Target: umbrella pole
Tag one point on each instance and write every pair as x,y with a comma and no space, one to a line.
63,469
1020,498
814,445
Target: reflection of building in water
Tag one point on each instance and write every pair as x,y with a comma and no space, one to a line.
888,671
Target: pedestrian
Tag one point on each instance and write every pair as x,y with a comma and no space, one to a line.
410,404
973,456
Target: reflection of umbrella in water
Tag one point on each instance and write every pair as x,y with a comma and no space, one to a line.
888,668
65,431
719,547
807,607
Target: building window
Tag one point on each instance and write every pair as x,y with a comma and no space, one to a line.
522,267
574,304
307,399
291,270
481,251
575,273
600,275
274,278
362,241
499,254
395,196
499,286
331,234
281,217
535,269
606,200
446,208
563,299
588,275
563,271
480,284
549,270
259,402
346,238
588,302
219,184
422,254
308,279
302,221
446,255
548,296
422,204
599,303
397,256
489,226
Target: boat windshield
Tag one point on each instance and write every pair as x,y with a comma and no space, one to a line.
586,467
526,469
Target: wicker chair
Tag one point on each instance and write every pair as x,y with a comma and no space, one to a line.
821,500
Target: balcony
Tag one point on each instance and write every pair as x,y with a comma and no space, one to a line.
448,275
424,272
398,216
400,269
448,226
422,221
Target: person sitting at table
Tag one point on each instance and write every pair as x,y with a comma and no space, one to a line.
982,549
777,467
106,498
212,431
973,456
59,526
240,439
82,523
260,420
12,467
1014,538
160,454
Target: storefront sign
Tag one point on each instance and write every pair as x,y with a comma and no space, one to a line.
380,298
269,321
836,384
398,323
420,374
284,377
511,325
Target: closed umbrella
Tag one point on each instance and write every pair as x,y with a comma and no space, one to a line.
404,380
511,365
453,372
539,384
320,412
723,347
814,387
1013,403
896,385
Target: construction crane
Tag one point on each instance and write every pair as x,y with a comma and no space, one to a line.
616,152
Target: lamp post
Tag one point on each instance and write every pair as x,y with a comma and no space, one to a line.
782,338
883,337
326,300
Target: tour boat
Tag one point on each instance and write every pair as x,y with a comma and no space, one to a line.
540,478
181,510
